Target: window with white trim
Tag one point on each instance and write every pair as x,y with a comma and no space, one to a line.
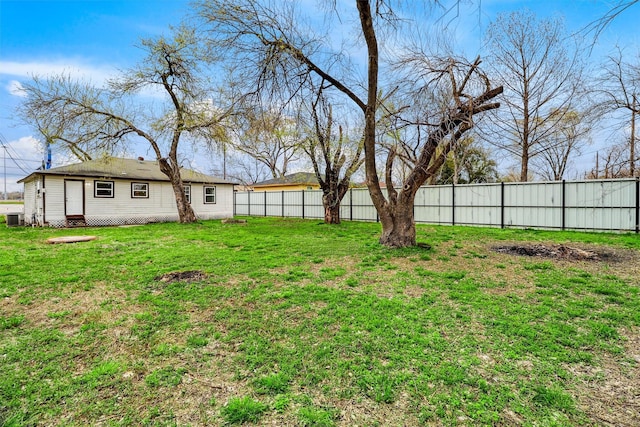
209,194
140,190
103,189
187,192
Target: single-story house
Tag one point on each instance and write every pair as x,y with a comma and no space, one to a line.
296,181
117,191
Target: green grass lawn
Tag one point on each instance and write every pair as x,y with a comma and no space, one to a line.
292,322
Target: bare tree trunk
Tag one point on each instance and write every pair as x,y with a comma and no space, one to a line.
398,226
331,213
526,146
524,170
172,171
331,199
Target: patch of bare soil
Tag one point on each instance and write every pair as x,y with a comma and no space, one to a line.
182,276
233,221
610,393
554,251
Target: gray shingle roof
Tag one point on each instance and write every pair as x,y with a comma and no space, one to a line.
115,167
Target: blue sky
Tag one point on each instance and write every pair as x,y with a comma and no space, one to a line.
91,39
95,38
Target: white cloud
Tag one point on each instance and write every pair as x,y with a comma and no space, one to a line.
27,147
96,75
73,68
23,156
15,88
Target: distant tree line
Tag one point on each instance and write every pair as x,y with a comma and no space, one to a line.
12,195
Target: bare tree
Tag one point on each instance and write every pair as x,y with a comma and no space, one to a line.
55,108
268,135
277,53
335,155
445,95
596,27
611,164
239,167
618,87
564,140
90,120
541,73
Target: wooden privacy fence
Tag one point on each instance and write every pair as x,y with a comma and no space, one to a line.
598,205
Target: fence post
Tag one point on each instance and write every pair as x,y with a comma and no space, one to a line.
453,204
502,204
265,202
283,203
564,204
413,208
235,193
351,204
249,203
637,205
302,204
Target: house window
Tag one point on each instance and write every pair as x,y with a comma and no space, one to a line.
209,194
187,192
103,188
140,190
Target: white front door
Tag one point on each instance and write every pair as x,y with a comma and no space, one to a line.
73,197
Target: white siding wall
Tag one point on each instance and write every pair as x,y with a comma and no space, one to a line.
30,203
53,189
120,209
223,208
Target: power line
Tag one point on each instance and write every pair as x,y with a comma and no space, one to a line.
12,157
28,160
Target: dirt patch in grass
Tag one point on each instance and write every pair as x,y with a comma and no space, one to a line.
608,393
67,312
182,276
553,251
573,253
595,259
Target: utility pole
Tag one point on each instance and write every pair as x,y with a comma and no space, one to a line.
224,160
632,143
5,170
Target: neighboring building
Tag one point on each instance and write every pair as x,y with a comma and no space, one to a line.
116,191
297,181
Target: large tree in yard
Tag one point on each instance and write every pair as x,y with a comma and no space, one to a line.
90,120
276,50
335,153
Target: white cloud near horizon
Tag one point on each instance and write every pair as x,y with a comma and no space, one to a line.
92,74
23,157
96,74
28,147
15,88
